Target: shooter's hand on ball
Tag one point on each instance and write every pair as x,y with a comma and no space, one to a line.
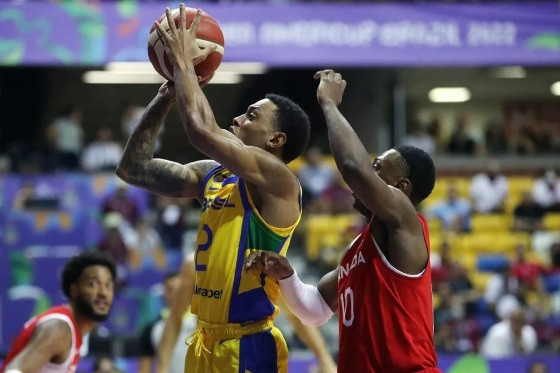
167,91
331,87
269,263
181,43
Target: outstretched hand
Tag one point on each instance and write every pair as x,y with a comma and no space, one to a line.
180,43
331,87
269,263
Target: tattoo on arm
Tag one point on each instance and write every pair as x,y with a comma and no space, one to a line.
139,167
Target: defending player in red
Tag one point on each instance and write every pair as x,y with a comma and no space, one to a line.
382,288
50,342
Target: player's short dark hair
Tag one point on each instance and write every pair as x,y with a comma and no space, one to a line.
294,122
418,167
75,266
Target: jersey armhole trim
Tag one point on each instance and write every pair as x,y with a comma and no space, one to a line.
210,173
66,319
391,267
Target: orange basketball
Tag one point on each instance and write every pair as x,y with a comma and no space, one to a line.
208,33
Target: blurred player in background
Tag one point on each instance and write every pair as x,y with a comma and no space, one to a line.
382,288
50,342
150,342
172,348
250,201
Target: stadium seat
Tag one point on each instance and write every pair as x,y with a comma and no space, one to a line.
552,221
487,242
326,231
468,261
518,184
492,263
491,223
434,225
551,283
480,280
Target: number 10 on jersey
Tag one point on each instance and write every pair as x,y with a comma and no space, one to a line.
347,303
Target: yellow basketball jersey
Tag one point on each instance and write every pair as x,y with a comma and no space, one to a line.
230,229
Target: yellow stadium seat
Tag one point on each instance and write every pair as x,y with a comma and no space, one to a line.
326,231
511,203
552,221
434,226
468,261
437,239
517,184
461,183
491,223
480,280
487,242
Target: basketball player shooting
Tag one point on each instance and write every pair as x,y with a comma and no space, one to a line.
382,288
250,201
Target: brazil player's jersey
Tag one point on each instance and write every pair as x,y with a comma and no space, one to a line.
230,229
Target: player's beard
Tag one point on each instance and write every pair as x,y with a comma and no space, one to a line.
87,310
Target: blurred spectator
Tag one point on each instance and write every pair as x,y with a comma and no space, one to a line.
500,284
420,138
453,212
151,335
555,258
122,203
131,117
145,245
441,263
171,224
489,189
453,330
510,337
461,142
546,191
462,287
103,154
105,364
525,142
337,198
528,214
65,134
495,139
526,272
315,176
113,243
537,367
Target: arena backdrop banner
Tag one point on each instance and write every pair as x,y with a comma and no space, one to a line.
76,33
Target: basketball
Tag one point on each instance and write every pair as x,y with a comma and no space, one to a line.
208,33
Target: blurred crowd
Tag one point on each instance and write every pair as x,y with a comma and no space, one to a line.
525,130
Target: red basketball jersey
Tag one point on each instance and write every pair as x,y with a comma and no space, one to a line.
62,313
385,316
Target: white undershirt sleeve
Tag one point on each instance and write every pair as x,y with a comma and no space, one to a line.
305,301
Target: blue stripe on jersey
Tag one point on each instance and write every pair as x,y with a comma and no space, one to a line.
236,308
281,244
230,180
244,198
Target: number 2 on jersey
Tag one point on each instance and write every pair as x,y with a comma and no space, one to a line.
203,247
347,302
